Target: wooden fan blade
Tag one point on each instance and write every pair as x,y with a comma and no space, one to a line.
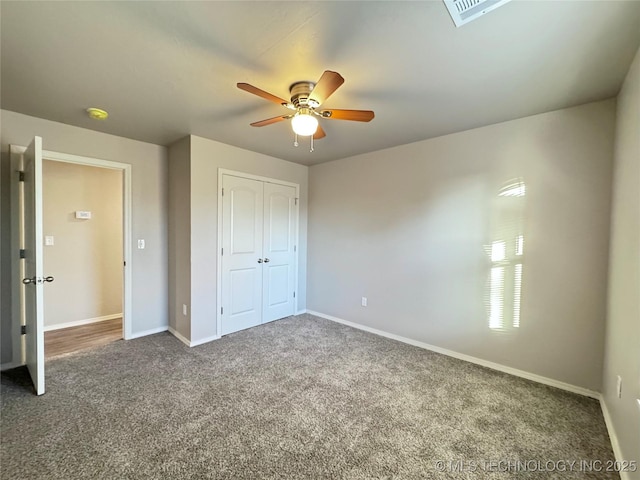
261,93
269,121
319,133
355,115
328,83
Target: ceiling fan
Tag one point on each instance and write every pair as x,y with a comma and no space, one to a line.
306,97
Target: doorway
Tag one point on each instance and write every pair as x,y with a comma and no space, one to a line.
83,251
27,238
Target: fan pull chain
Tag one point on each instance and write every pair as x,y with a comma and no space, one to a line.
311,143
295,140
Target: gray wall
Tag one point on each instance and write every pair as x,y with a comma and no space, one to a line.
149,211
86,258
6,338
180,236
622,351
207,156
407,227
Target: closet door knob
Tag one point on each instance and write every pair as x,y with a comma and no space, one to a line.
266,260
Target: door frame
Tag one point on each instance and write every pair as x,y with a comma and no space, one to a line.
249,176
127,285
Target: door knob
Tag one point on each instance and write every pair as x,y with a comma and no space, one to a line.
266,260
37,280
259,260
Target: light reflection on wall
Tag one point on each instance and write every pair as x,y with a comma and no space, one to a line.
506,253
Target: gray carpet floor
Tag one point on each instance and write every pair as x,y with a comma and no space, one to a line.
302,397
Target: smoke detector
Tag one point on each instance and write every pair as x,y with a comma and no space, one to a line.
97,113
463,11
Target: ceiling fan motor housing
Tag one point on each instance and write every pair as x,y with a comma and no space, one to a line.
300,92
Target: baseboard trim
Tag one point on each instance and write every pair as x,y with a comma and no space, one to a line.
79,323
205,340
147,332
615,445
189,343
175,333
301,312
467,358
10,365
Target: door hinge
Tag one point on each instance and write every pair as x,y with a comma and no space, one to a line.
221,252
296,200
294,294
221,310
23,329
223,192
125,263
295,248
21,176
23,253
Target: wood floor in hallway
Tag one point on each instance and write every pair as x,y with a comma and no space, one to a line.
72,339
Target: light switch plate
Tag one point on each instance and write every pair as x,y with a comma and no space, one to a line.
49,240
141,244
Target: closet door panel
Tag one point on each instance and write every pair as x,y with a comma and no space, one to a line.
242,243
279,237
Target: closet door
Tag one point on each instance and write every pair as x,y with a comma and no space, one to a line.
278,251
242,243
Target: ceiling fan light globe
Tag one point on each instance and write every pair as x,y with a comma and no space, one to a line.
304,124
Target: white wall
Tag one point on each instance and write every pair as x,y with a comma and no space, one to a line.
86,258
207,156
622,350
149,207
407,228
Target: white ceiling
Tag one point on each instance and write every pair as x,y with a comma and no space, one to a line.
167,69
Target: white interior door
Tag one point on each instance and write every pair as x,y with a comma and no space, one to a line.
278,271
34,280
242,223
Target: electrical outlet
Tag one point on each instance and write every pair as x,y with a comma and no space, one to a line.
141,244
184,310
619,387
364,301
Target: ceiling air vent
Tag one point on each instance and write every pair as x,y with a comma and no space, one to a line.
463,11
